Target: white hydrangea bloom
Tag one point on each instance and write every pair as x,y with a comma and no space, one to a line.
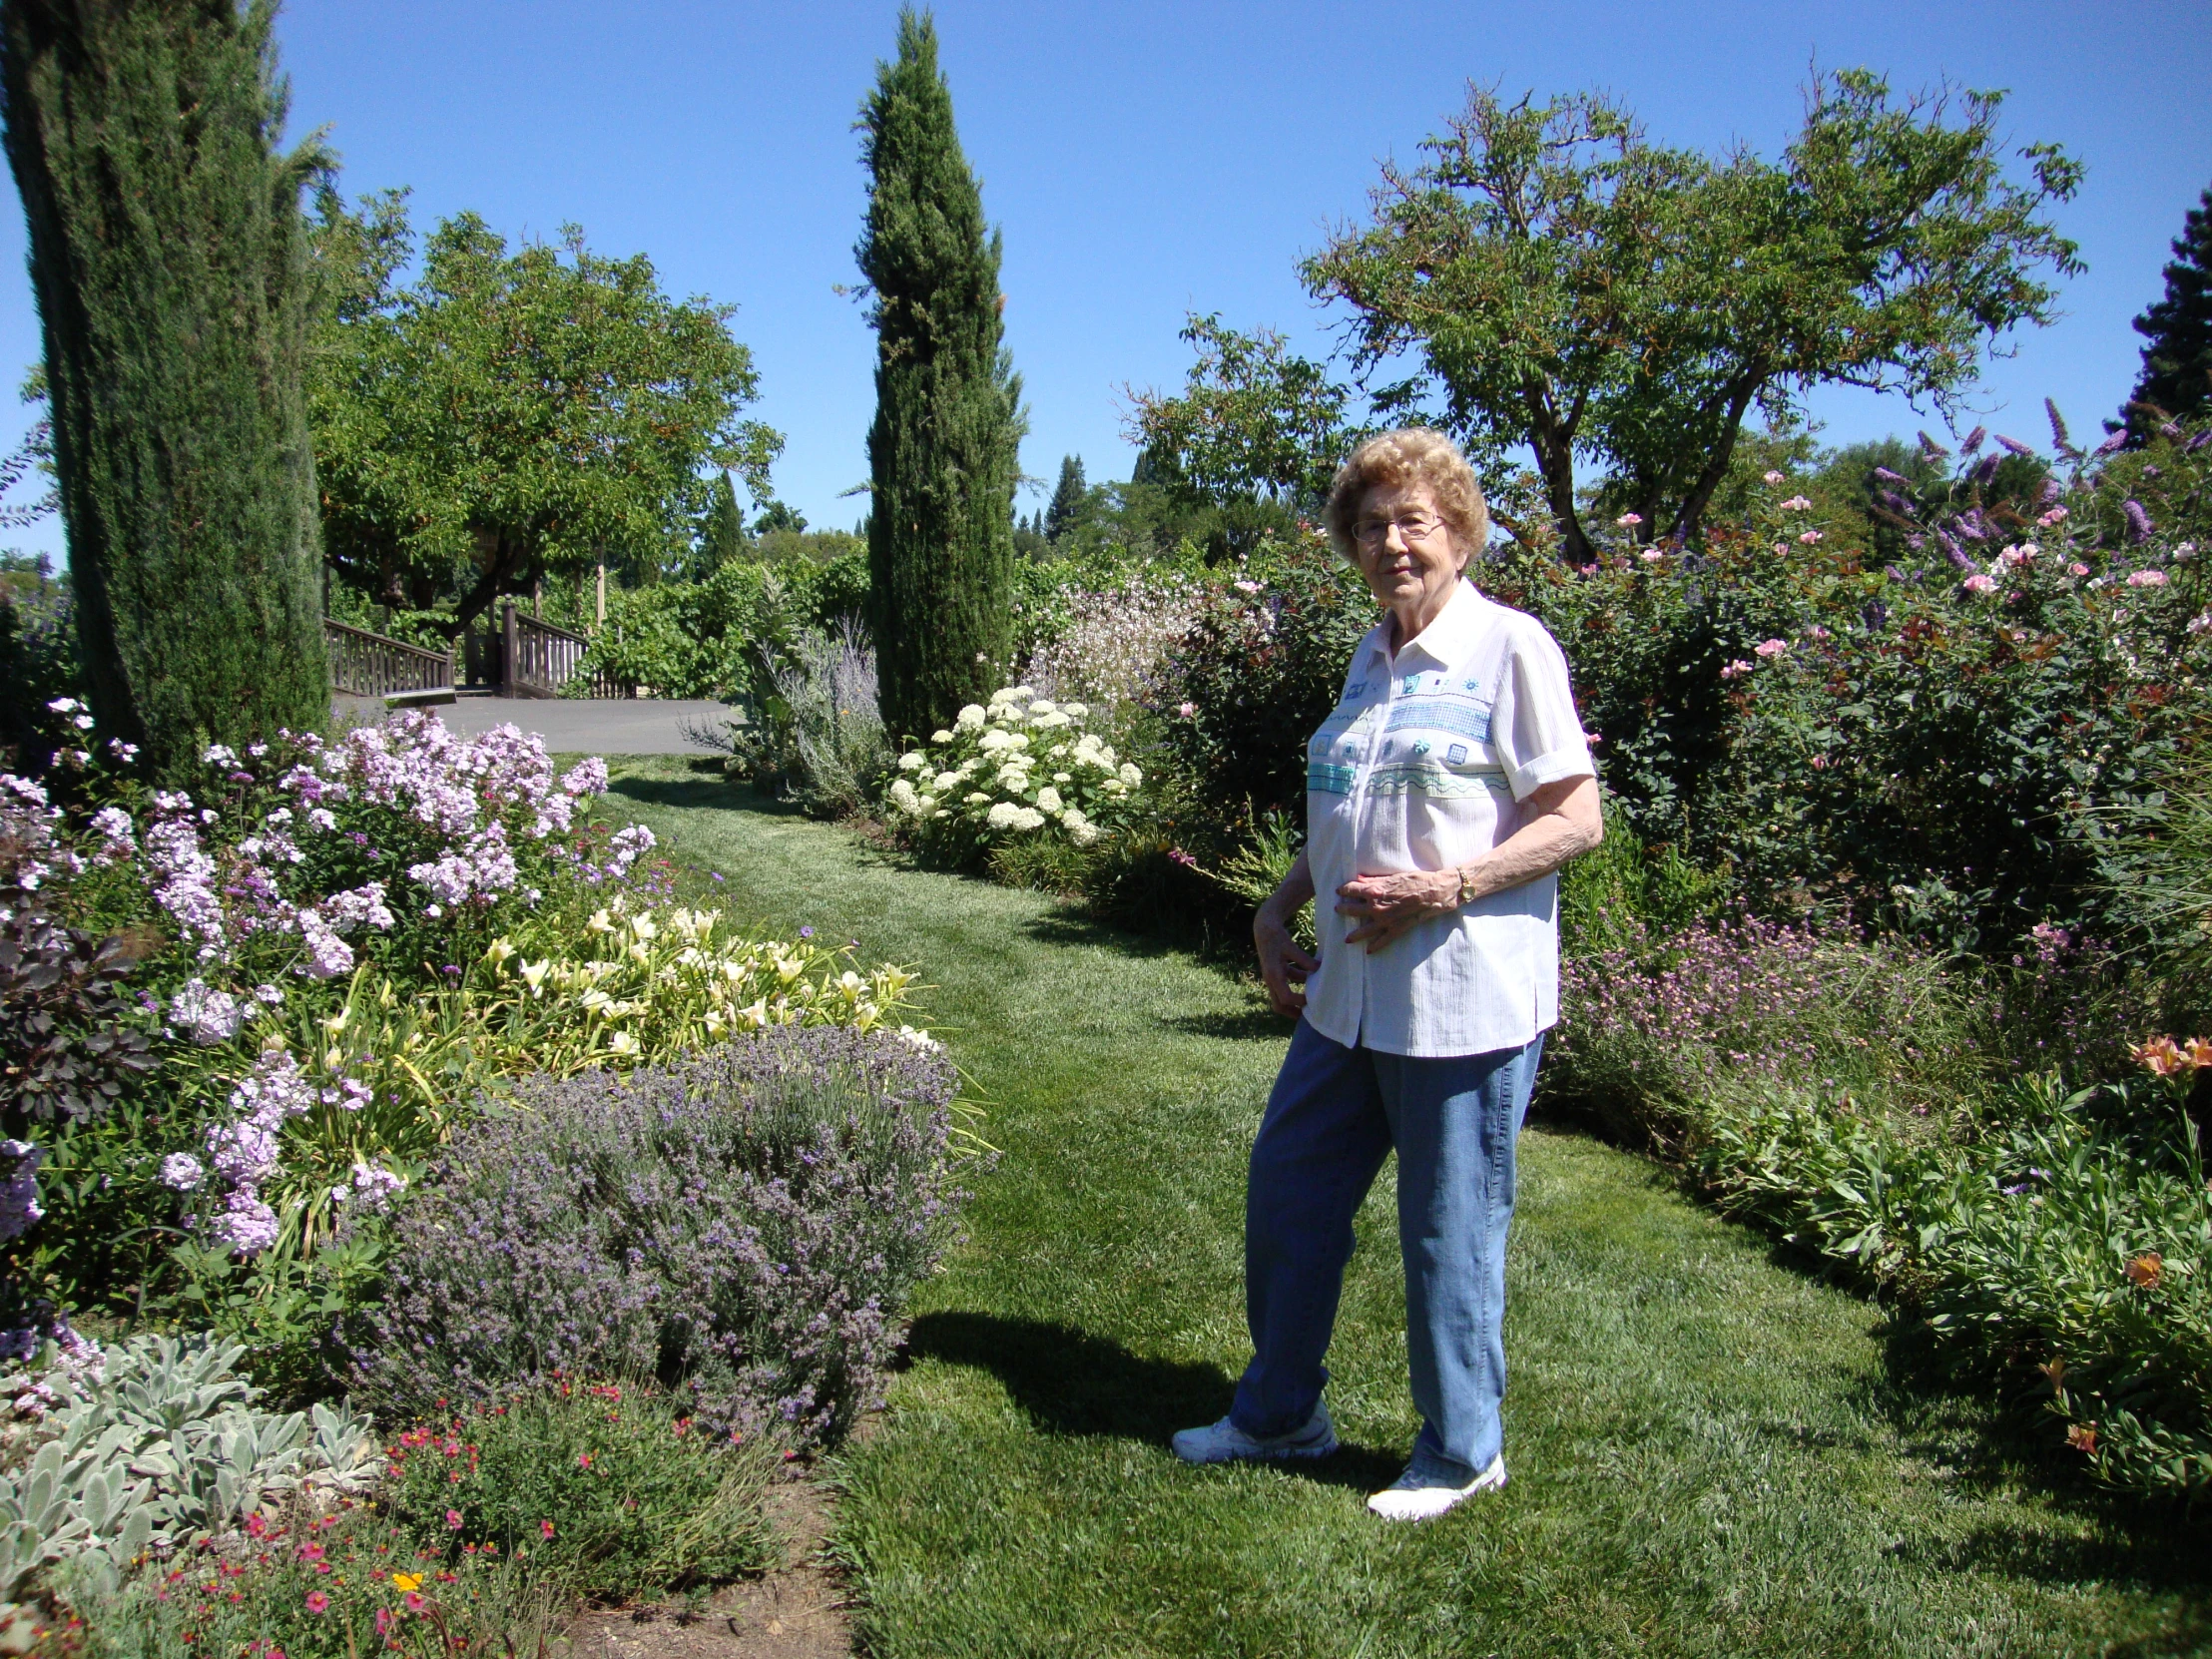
1130,775
1082,835
970,716
1028,818
1048,799
940,735
1043,706
994,742
912,760
978,798
1002,816
946,780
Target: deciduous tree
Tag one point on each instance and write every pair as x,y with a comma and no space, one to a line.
1560,281
518,412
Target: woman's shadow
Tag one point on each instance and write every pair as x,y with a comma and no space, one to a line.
1072,1383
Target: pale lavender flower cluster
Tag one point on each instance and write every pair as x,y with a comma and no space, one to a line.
204,1016
243,1153
19,1206
78,1363
28,821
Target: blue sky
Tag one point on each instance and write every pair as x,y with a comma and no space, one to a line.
1149,160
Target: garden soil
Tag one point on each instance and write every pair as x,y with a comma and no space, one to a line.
796,1611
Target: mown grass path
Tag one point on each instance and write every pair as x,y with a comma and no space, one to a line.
1709,1452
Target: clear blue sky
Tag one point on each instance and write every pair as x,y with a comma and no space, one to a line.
1146,160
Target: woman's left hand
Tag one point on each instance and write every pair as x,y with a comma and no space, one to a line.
1382,907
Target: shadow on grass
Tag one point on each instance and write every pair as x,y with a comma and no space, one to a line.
1253,1024
1072,1383
700,793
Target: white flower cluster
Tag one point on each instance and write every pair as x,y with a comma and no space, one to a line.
1115,643
1019,765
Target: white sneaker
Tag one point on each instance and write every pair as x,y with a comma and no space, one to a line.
1411,1501
1225,1443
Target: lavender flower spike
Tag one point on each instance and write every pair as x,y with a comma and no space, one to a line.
2138,521
2057,426
1932,449
2117,440
1972,440
2015,444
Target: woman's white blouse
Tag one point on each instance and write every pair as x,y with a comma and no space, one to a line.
1422,764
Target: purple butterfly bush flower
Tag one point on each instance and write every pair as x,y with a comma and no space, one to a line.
2138,521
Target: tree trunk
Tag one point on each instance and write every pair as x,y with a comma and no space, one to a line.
1692,516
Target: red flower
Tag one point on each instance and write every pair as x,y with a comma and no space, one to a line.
317,1602
452,1520
546,1528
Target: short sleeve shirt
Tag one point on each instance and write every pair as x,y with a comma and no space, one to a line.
1426,763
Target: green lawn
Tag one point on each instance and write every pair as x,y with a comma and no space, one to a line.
1711,1453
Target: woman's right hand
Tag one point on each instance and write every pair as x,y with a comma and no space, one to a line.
1280,960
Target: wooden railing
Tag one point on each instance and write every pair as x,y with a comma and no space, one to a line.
540,658
376,665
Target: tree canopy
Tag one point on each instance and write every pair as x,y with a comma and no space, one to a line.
513,413
1548,277
1253,421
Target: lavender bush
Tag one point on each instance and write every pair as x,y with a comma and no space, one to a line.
743,1227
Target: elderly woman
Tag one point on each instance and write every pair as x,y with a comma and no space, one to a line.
1444,792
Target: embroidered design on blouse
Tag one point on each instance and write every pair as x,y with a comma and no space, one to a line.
1449,712
1425,778
1326,778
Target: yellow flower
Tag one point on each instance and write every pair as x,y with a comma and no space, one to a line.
498,952
406,1580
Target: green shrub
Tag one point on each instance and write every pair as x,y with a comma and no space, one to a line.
611,1494
2065,1248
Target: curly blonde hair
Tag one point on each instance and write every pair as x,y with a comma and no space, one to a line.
1411,455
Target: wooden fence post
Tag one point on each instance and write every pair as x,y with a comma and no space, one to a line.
507,663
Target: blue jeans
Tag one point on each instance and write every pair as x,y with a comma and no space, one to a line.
1334,1115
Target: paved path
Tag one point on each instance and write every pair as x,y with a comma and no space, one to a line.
612,726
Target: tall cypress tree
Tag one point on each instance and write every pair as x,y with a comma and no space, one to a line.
167,256
2177,364
722,537
943,452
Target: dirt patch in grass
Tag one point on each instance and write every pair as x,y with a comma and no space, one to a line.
796,1611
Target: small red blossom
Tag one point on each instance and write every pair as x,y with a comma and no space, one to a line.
452,1520
317,1602
545,1529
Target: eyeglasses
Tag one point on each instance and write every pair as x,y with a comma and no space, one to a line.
1374,532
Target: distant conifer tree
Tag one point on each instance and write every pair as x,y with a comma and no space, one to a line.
722,537
943,452
167,256
1068,499
2177,364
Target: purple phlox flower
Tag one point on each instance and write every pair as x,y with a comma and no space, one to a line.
805,932
19,1206
182,1171
205,1015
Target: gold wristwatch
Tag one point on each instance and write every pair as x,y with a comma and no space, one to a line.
1466,880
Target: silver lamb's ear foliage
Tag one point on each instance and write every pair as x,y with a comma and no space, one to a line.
166,1447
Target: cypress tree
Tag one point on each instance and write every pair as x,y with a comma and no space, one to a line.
168,256
2177,364
1068,499
944,451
